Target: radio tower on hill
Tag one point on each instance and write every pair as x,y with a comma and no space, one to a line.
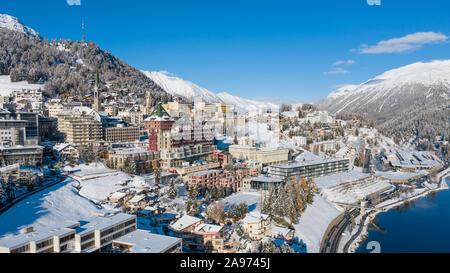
83,40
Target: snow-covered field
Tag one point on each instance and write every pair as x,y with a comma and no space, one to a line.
91,171
7,87
251,198
106,182
315,221
52,207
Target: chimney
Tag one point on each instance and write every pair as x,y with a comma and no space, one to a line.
27,230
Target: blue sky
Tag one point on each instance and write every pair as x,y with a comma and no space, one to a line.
279,50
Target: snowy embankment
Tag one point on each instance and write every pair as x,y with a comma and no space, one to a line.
56,206
315,221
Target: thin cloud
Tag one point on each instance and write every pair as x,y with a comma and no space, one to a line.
344,62
74,2
409,42
337,70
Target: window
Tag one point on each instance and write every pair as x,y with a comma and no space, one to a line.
21,249
44,244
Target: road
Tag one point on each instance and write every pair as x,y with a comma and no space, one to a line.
353,238
333,237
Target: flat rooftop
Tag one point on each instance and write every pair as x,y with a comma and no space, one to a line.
100,222
297,164
267,179
146,242
14,240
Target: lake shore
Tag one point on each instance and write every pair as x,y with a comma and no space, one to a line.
390,204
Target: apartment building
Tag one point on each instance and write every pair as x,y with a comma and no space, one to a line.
28,97
12,132
208,237
31,127
97,234
188,168
309,169
108,233
256,225
175,157
121,134
81,126
50,240
265,156
145,161
143,241
24,155
204,179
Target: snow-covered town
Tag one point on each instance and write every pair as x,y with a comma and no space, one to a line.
97,156
182,179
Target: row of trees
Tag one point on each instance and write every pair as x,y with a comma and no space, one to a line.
289,200
217,213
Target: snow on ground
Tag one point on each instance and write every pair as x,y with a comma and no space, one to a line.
315,221
99,189
7,87
260,132
103,181
51,207
251,198
91,171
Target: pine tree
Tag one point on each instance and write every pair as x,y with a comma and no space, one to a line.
173,192
157,176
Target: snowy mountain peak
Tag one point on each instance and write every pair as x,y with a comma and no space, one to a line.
179,87
392,92
435,72
12,23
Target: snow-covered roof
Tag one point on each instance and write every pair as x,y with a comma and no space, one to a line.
137,198
118,195
185,221
267,179
14,240
335,179
255,217
61,146
144,241
278,230
100,222
207,228
399,175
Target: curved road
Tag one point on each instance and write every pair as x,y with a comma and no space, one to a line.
331,243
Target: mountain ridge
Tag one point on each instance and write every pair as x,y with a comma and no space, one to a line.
179,87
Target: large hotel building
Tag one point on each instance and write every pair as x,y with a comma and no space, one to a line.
309,169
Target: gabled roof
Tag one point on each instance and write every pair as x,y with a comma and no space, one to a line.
159,111
184,222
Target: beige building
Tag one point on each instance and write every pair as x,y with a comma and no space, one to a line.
145,161
265,156
48,240
81,126
256,225
121,134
